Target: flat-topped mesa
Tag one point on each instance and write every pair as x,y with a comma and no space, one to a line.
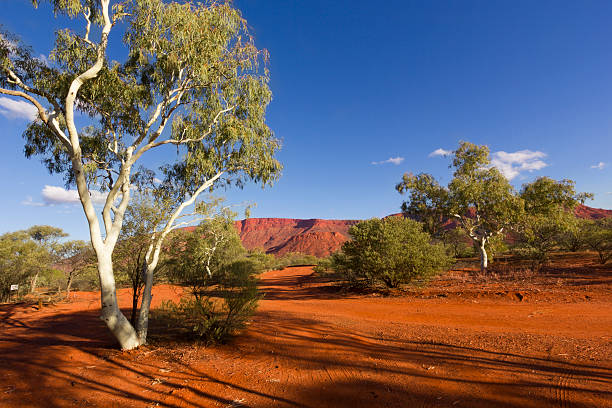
283,235
320,237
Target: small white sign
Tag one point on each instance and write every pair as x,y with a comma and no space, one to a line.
14,287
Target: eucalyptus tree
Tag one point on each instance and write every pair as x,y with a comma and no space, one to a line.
20,258
598,237
193,81
478,197
76,257
47,236
427,202
548,217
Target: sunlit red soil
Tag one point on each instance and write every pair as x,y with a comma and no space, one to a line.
465,341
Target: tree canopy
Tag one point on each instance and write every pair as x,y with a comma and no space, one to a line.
478,197
193,82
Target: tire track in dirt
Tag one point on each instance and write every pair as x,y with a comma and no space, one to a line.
562,389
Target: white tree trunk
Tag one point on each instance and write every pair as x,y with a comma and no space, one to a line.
112,316
484,262
142,326
34,282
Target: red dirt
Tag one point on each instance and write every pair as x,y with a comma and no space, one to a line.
463,342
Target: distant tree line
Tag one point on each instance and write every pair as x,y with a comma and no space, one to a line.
480,206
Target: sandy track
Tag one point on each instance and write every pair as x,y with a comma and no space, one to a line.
308,346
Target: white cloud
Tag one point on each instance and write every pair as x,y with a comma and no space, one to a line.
13,109
59,195
512,164
440,152
156,180
30,202
599,166
394,160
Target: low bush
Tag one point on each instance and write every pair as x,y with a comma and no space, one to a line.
391,252
214,317
295,259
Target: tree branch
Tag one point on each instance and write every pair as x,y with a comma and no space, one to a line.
50,121
198,139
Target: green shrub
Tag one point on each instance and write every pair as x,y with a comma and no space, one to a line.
216,315
539,234
212,262
295,259
598,237
458,244
391,251
262,262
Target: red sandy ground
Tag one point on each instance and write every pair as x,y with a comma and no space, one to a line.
532,342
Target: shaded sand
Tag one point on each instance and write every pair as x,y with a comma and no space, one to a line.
455,344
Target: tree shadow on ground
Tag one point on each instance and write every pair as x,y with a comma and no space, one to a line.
282,360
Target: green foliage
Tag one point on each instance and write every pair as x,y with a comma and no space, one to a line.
295,259
390,251
202,258
261,261
457,243
479,197
220,273
598,237
21,257
572,240
198,57
427,202
548,217
545,196
212,319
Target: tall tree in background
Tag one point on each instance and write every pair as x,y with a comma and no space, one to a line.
75,258
479,197
20,259
47,237
427,203
193,80
549,215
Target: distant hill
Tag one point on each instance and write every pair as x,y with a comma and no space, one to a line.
590,213
282,235
322,237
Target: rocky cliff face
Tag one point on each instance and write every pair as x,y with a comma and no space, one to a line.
282,235
590,213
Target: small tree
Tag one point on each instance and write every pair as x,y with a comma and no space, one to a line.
75,258
46,236
391,251
193,80
199,259
549,215
540,234
21,258
478,197
212,262
598,237
428,202
457,241
572,240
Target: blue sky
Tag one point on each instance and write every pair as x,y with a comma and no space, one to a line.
357,83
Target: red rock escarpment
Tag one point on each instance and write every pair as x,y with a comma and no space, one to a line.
283,235
322,237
